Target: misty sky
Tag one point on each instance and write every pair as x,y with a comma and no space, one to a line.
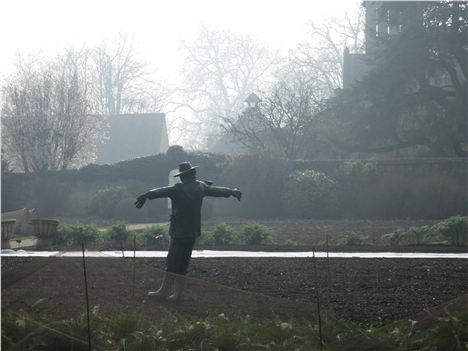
157,26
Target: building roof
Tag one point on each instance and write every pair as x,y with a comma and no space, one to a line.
133,135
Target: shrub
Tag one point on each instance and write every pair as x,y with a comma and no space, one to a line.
73,234
358,168
418,235
454,229
395,236
118,232
224,234
290,242
155,236
351,237
414,236
311,194
256,234
206,238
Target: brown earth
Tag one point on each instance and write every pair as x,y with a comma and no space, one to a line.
363,290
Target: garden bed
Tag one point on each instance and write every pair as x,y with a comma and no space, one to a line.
276,235
363,290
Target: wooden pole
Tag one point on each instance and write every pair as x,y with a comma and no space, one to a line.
87,297
328,265
318,301
122,249
134,261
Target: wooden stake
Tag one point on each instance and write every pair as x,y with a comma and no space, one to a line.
328,266
318,301
122,249
87,297
134,261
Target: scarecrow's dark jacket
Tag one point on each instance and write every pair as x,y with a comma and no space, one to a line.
187,201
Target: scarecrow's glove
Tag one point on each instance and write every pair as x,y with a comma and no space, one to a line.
141,201
237,194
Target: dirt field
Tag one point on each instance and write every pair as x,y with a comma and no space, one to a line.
363,290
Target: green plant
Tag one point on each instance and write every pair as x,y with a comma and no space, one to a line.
224,234
206,238
74,234
36,331
118,232
351,237
155,236
311,194
358,168
290,242
257,234
16,326
454,229
418,235
395,236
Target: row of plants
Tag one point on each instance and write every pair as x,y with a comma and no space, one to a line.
117,235
452,231
224,234
157,236
36,331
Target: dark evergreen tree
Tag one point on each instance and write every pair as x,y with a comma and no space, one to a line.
415,97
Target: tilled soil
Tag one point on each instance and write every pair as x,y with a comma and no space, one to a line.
363,290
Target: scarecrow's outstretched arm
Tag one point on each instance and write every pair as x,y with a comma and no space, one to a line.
154,194
219,191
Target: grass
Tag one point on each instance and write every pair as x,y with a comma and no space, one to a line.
441,330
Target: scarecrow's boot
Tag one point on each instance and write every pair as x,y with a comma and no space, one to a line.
166,285
179,285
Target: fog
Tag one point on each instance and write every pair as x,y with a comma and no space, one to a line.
157,30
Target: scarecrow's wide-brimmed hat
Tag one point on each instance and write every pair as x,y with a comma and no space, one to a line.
185,167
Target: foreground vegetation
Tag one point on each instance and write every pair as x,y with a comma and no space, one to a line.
157,236
451,231
36,331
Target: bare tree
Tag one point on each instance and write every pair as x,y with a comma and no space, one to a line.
220,70
321,56
281,124
46,115
123,83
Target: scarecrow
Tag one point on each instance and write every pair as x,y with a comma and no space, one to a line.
185,224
